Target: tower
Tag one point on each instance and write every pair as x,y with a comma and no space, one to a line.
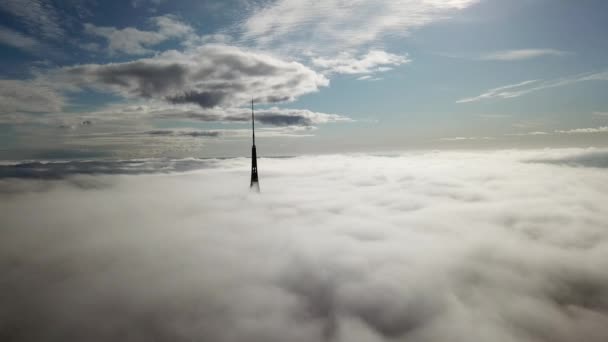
255,185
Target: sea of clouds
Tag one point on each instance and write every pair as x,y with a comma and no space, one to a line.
421,246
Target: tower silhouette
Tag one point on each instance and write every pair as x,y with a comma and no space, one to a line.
255,185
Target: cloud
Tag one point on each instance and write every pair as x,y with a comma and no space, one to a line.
602,129
596,158
133,41
466,138
185,133
18,40
528,133
374,61
211,75
271,116
39,17
527,87
333,26
523,54
600,113
455,246
27,96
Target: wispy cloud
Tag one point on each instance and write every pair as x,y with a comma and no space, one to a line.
530,86
38,16
18,40
466,138
500,92
28,96
600,113
327,27
590,130
522,54
372,62
602,129
133,41
527,134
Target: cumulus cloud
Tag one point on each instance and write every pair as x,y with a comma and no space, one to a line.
133,41
210,76
28,96
417,247
374,61
522,54
531,86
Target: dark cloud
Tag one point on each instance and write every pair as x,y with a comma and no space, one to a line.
65,169
598,159
212,75
167,132
269,116
203,99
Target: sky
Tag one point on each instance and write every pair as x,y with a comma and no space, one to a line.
155,78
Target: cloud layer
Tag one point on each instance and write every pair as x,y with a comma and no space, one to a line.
418,247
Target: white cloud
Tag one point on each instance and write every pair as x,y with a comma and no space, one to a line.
137,42
602,129
527,87
517,55
372,62
328,27
528,133
28,96
417,247
600,113
466,138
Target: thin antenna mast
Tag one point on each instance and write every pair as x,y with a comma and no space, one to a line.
252,122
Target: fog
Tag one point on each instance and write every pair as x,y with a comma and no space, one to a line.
428,246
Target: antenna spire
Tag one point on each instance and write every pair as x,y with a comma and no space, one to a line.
252,121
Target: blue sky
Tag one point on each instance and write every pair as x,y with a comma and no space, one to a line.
149,78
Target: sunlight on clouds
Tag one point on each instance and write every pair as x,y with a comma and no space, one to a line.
337,25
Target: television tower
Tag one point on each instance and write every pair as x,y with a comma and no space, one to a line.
255,185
